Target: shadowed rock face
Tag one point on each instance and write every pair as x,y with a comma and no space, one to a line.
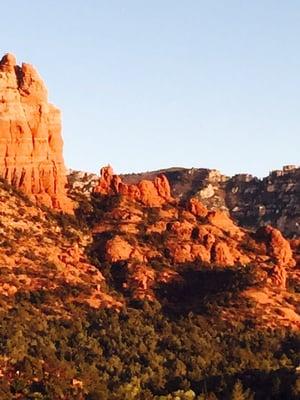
30,136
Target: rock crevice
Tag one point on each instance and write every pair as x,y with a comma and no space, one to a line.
30,136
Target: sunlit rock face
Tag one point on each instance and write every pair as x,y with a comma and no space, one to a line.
150,193
31,145
252,202
151,237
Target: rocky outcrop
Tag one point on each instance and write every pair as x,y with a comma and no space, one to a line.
118,249
30,136
197,208
42,254
273,200
150,193
251,202
81,183
145,239
279,249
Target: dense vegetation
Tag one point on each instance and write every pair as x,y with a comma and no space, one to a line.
139,353
176,348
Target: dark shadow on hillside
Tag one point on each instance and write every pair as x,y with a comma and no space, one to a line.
202,290
92,210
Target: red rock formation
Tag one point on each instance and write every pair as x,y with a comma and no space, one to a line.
280,251
30,136
182,229
222,254
151,194
118,249
278,247
197,208
151,231
221,220
279,276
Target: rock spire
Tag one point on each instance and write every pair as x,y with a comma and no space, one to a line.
30,136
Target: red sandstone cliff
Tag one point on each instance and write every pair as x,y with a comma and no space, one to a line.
30,136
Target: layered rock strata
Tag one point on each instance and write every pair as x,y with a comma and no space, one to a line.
31,145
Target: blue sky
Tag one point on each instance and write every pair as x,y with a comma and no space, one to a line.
148,84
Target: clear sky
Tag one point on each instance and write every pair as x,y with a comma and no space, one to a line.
148,84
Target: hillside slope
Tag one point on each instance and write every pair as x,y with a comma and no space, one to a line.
141,296
251,202
41,251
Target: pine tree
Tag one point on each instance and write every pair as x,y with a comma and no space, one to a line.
238,392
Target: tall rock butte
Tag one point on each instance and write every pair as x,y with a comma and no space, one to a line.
30,136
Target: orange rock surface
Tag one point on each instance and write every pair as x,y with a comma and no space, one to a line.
197,208
152,194
118,249
278,248
165,234
222,254
30,136
147,253
40,256
280,251
221,220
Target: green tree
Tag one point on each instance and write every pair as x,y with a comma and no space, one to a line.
238,392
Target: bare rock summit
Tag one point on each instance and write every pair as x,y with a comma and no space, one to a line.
31,145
